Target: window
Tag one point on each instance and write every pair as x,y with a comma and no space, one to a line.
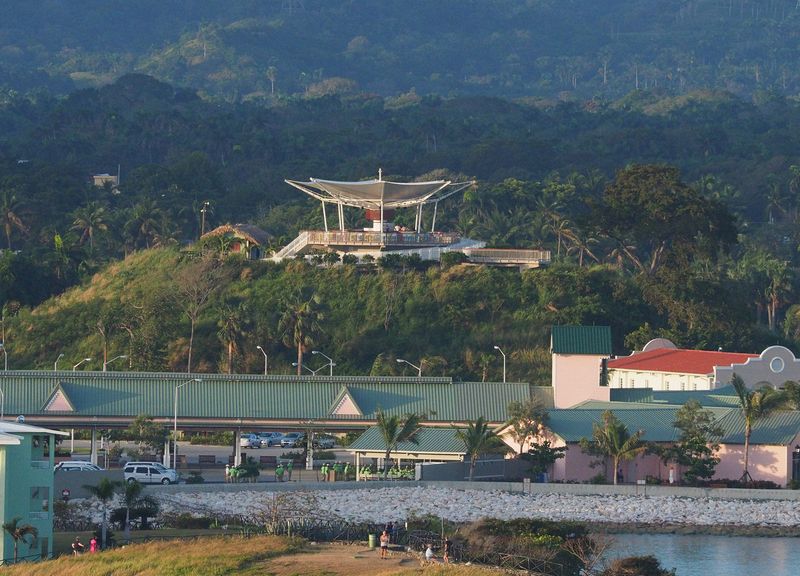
776,365
40,447
40,499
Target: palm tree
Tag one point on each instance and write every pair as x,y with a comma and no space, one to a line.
479,439
754,404
104,491
300,325
231,328
89,220
131,498
10,215
395,430
18,532
612,439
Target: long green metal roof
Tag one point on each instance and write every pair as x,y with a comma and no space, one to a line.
724,396
595,340
430,441
572,424
126,394
777,429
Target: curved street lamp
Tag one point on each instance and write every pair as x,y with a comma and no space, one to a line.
55,366
175,422
106,363
419,368
265,359
81,362
313,372
330,363
504,361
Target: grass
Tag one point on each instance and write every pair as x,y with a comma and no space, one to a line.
222,555
202,556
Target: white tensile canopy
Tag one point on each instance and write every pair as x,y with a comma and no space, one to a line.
380,194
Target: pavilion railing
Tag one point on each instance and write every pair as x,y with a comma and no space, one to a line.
368,238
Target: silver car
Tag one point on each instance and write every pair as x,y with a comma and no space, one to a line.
76,466
149,474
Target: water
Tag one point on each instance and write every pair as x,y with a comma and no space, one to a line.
701,555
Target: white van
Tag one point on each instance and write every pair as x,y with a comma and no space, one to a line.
149,473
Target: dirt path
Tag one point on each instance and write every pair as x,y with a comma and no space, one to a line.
344,560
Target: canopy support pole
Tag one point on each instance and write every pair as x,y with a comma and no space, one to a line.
324,216
341,217
433,223
418,223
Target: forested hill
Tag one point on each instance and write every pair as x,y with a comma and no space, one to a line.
542,48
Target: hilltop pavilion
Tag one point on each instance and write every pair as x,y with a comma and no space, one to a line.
379,199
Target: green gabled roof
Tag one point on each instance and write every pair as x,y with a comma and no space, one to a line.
125,394
779,428
430,441
594,340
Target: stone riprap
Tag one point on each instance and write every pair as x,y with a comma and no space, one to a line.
383,504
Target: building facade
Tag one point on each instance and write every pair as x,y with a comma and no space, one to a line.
26,487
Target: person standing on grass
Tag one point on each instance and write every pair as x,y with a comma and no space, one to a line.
384,544
447,548
77,546
93,545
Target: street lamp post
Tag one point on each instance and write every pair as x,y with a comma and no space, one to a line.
105,364
266,360
504,361
330,363
55,366
5,355
81,362
175,422
2,404
419,368
313,372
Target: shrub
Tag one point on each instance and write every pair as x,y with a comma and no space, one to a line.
637,566
324,455
195,477
187,521
598,478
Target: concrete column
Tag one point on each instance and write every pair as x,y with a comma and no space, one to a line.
93,447
237,447
358,467
167,453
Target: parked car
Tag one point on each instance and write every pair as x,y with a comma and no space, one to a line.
249,441
158,465
76,466
149,473
293,439
270,439
324,441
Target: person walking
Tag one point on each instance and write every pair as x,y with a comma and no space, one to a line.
384,544
448,545
93,545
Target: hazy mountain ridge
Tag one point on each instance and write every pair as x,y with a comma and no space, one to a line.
566,49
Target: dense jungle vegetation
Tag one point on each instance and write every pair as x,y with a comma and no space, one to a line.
671,210
255,49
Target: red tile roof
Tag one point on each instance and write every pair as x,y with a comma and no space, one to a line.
682,361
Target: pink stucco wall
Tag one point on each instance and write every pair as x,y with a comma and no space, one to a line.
576,377
765,463
577,467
